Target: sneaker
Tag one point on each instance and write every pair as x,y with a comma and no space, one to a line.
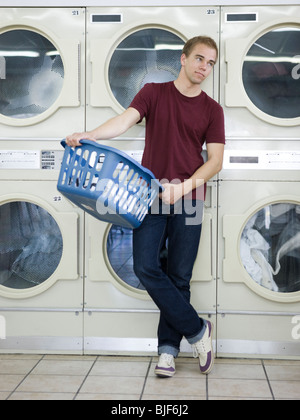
165,367
204,350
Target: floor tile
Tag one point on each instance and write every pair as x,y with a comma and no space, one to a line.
176,386
4,395
286,389
237,371
40,396
164,397
274,362
51,383
238,361
108,397
62,367
10,382
281,373
72,357
113,385
120,368
238,388
21,357
17,367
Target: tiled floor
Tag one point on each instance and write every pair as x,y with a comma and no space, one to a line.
132,378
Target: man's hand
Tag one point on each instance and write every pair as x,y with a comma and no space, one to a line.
74,139
172,193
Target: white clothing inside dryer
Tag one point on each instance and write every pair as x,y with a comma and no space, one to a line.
270,235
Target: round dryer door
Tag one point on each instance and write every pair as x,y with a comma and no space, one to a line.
146,56
271,73
270,248
31,73
31,246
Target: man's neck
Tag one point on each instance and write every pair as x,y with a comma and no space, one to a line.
187,88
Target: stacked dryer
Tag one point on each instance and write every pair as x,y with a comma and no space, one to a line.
127,48
43,91
42,56
259,201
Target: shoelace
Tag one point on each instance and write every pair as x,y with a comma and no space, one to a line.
168,358
201,346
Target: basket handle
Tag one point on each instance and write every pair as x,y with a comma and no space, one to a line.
92,143
84,141
64,143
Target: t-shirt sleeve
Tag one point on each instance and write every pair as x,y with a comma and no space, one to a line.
142,101
216,129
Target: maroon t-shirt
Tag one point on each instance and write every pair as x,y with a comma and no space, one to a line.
176,128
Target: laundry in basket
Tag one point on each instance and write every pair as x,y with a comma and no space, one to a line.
107,183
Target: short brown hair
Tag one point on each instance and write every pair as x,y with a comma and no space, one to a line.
206,40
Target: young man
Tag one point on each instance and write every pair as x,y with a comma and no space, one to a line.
180,117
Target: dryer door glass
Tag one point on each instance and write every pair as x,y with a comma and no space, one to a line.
119,252
271,73
31,245
149,55
270,247
31,74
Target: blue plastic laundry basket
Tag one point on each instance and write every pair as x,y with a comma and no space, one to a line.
107,183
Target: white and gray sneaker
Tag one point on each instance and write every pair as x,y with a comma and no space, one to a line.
204,350
165,367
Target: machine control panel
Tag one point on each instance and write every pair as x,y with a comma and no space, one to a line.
262,160
31,159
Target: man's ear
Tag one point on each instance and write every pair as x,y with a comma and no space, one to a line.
183,59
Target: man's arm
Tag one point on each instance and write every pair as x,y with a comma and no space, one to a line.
111,129
174,192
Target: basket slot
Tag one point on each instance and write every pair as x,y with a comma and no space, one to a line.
86,169
123,174
86,180
100,162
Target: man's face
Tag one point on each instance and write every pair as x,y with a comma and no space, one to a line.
199,63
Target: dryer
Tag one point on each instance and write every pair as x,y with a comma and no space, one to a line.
259,251
119,316
41,252
128,47
260,71
42,72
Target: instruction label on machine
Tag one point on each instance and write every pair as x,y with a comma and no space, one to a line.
19,159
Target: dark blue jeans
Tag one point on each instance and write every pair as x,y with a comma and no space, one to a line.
169,286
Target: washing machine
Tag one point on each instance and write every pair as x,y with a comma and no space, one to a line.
260,71
42,72
259,250
41,253
119,315
128,47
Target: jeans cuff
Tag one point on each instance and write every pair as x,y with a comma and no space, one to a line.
199,336
169,350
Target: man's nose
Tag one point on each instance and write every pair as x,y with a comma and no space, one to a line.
203,65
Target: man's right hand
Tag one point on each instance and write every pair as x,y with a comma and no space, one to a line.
74,139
